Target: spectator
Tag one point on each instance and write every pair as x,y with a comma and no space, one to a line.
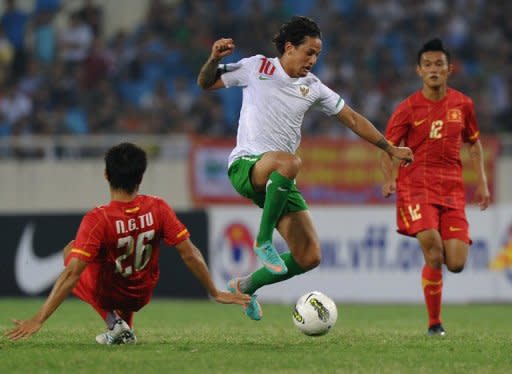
15,107
14,22
92,15
51,6
44,36
123,52
33,79
6,56
157,60
75,41
98,65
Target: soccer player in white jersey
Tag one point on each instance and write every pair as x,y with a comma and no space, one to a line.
277,92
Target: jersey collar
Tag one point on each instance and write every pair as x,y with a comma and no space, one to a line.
283,73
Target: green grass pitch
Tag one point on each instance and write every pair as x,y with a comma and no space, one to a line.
204,337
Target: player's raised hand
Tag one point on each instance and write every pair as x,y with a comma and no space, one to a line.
222,48
482,195
402,153
232,298
388,189
23,329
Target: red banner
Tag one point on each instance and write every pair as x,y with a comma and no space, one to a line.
334,171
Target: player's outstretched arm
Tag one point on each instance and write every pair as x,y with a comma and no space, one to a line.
209,78
62,288
365,129
389,170
195,262
482,193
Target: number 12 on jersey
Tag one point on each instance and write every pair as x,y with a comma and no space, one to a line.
435,130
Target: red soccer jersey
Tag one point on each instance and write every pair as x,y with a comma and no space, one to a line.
434,130
122,240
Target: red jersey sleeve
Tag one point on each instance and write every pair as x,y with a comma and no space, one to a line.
398,124
89,238
471,133
173,231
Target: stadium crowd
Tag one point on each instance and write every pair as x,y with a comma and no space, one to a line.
75,80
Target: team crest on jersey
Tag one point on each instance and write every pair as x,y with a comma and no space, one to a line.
454,115
304,90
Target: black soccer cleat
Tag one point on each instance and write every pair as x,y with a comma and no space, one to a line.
436,330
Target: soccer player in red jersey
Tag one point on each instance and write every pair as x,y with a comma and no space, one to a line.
113,262
434,122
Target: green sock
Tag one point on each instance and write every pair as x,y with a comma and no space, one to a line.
262,276
276,197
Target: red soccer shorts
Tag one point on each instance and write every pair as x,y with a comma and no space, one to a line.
102,293
451,223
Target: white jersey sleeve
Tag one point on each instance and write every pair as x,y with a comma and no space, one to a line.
238,73
328,101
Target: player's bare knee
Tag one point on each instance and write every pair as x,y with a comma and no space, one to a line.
315,261
455,268
312,259
296,164
309,262
289,166
305,261
434,257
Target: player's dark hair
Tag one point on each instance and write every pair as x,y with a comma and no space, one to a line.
435,45
295,32
125,165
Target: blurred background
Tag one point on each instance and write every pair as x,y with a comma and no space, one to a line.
77,76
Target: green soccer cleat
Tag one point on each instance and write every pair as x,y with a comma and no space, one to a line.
253,309
270,258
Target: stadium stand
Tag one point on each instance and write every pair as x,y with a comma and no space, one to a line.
73,78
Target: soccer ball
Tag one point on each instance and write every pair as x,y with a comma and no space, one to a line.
315,314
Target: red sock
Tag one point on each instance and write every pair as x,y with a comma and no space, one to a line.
432,283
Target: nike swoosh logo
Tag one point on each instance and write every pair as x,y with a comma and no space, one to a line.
451,228
282,189
35,274
262,78
417,123
277,269
436,292
269,182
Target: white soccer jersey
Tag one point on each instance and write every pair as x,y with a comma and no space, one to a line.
274,105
